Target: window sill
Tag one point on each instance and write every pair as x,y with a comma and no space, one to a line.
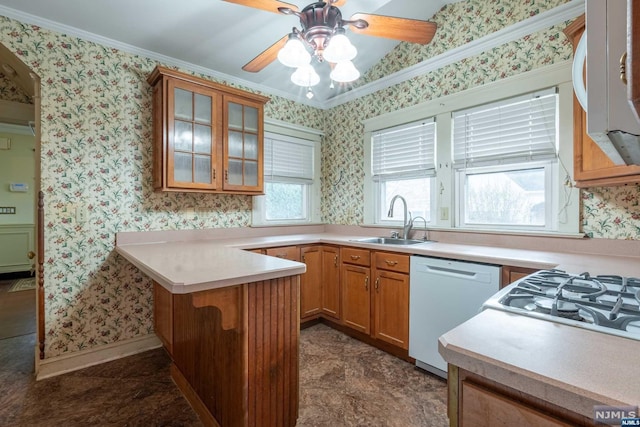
286,224
485,231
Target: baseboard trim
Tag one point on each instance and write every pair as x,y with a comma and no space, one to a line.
58,365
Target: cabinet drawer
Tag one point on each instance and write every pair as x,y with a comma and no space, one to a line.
392,262
356,256
291,253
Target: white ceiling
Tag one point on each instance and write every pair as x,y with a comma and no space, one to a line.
211,34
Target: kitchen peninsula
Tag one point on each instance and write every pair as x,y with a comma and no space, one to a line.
229,320
214,262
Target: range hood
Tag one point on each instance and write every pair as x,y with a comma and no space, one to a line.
611,121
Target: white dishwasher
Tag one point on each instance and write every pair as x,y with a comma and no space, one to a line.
443,294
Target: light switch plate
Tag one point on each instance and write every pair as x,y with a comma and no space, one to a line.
444,214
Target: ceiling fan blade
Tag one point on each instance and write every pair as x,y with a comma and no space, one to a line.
389,27
266,57
268,5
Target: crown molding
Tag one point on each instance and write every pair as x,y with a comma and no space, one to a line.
536,23
28,18
518,30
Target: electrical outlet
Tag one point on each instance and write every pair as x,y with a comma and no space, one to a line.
81,214
444,214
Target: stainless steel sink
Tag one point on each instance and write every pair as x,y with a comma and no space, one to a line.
391,241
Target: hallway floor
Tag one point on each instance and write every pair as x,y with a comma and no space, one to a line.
343,382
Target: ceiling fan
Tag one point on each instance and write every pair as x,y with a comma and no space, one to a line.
321,21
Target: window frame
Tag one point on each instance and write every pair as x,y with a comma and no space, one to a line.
550,168
283,131
566,197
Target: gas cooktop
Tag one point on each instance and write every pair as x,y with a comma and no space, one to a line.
608,304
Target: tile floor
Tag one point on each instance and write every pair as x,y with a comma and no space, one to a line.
343,383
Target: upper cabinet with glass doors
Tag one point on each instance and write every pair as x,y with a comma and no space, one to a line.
207,137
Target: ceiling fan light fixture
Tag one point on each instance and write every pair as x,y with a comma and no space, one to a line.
344,72
294,54
339,49
305,76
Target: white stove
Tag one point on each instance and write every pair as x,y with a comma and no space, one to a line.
608,304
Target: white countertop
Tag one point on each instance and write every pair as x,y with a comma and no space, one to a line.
570,367
195,264
183,267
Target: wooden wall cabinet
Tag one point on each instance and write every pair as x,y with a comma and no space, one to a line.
207,137
591,167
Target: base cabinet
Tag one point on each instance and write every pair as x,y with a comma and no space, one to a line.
375,295
235,351
391,298
475,401
320,285
356,306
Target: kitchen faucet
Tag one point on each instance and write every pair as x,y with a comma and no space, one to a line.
425,238
406,222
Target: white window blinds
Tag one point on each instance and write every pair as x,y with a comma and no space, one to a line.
514,130
288,158
406,149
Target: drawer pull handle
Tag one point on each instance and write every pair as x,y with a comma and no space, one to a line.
377,284
281,256
390,262
335,261
355,257
623,68
366,283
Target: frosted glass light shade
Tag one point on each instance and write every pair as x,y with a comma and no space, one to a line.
344,72
340,49
294,54
305,76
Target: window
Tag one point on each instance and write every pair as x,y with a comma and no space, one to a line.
505,156
290,175
402,163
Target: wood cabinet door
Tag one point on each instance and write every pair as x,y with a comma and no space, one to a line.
311,281
194,116
591,166
243,144
331,281
481,407
391,307
292,253
356,301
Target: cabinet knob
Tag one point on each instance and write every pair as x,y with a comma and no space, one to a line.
355,257
390,262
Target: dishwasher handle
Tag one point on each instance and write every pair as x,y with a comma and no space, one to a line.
454,272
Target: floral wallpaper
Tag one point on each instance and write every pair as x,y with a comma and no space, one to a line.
612,212
10,91
344,132
96,156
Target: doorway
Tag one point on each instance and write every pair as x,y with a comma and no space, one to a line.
21,225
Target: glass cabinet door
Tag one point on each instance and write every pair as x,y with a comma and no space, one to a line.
192,125
243,145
